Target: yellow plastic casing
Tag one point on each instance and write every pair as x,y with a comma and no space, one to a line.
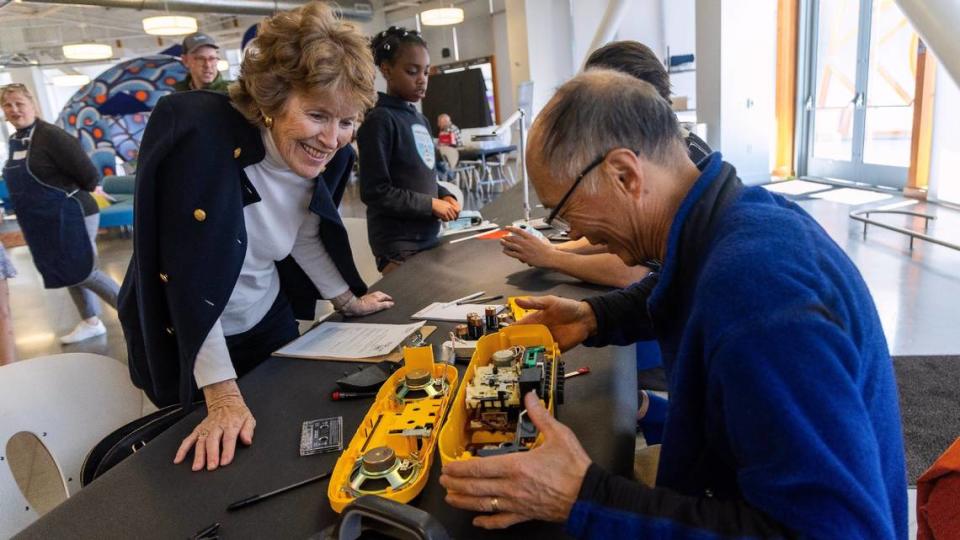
454,436
389,413
516,311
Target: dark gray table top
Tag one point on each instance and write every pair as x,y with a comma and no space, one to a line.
482,153
146,496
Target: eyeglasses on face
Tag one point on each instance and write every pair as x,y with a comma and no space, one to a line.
558,223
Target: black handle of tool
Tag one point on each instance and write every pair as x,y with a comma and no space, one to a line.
257,498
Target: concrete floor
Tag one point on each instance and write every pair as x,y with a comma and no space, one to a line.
915,292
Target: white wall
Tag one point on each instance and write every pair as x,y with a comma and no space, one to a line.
643,22
661,25
736,82
506,87
549,29
945,156
680,37
587,15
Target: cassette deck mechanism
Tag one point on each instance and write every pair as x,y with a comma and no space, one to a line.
488,416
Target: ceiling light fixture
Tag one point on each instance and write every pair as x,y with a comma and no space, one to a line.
441,16
71,80
169,25
87,51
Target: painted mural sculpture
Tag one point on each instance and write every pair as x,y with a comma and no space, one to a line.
110,112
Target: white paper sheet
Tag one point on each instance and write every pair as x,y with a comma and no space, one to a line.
852,196
350,340
445,311
796,187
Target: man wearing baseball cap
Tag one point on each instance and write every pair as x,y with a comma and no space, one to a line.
200,55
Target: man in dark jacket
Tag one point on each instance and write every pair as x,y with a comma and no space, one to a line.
783,418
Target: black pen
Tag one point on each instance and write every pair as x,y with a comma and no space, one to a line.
257,498
210,532
486,300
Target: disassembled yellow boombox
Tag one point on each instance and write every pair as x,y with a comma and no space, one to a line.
488,416
392,451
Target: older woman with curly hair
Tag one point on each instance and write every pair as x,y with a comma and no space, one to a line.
237,231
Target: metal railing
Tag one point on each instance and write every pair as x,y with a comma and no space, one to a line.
864,217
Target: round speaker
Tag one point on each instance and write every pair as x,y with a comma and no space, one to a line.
379,469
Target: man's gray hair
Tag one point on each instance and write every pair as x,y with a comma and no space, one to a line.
601,110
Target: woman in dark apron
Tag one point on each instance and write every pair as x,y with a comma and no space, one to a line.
50,179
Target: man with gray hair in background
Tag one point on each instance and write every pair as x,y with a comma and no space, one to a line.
783,418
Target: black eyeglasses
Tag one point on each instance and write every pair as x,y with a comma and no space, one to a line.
552,219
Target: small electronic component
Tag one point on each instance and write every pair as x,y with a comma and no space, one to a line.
490,318
474,326
494,397
321,436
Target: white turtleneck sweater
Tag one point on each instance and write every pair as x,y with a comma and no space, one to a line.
280,224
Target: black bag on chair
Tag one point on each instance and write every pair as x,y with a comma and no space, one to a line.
129,439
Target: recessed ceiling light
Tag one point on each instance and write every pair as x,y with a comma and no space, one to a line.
87,51
170,25
441,16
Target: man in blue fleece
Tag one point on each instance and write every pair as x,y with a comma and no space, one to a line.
783,418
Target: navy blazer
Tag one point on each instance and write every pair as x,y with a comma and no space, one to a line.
189,237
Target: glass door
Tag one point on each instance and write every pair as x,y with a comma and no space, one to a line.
859,91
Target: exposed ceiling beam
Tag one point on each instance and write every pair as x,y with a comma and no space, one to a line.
362,11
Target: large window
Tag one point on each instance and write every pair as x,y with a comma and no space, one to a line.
859,91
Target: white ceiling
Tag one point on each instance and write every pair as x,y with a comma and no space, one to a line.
37,31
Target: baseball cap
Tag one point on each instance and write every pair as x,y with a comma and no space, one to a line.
197,40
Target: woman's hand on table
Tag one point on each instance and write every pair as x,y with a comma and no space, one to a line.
527,248
214,441
367,304
444,210
570,321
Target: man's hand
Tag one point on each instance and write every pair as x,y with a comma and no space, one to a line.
528,249
570,321
540,484
228,418
444,210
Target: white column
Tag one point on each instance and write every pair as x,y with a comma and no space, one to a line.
936,21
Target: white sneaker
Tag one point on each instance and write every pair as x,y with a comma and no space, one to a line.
84,331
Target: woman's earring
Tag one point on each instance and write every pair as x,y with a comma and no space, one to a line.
267,121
